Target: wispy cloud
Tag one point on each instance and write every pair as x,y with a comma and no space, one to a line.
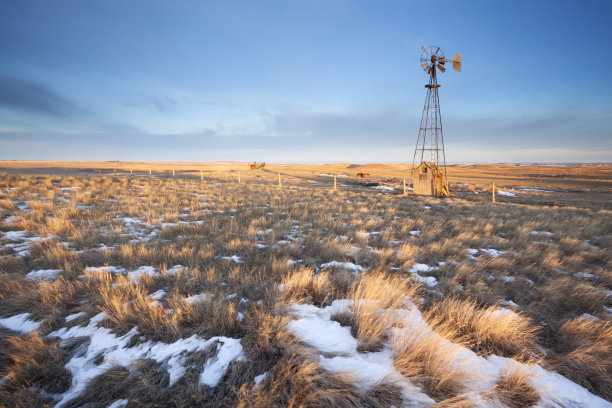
554,129
158,103
32,97
384,135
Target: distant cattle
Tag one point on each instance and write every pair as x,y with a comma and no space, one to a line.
363,175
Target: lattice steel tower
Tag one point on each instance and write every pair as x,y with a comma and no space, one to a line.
431,165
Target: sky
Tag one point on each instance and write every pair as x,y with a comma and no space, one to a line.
302,81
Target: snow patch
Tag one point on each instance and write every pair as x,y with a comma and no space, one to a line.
142,271
506,193
121,403
493,253
20,323
157,295
318,331
421,268
98,270
48,275
259,378
508,303
346,265
176,269
115,351
228,350
233,258
15,235
427,280
546,233
197,298
74,316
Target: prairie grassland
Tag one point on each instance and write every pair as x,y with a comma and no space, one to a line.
135,290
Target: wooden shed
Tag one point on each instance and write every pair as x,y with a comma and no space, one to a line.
428,179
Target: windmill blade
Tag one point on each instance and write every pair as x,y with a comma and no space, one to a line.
441,62
441,68
437,50
423,48
424,65
424,59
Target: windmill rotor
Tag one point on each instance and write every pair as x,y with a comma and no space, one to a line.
432,59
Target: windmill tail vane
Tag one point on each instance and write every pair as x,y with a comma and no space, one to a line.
429,160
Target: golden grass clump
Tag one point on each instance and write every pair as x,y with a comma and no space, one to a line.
429,360
376,298
29,362
484,330
584,354
42,300
266,336
127,306
304,286
563,295
297,381
514,390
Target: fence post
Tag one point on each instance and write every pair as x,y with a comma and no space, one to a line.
404,186
279,180
201,175
239,181
131,171
173,174
493,193
149,172
334,182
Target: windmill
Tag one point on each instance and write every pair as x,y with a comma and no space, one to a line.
429,176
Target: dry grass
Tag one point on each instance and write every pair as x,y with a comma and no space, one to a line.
304,286
375,298
513,389
300,382
484,330
238,242
428,360
584,354
128,306
31,363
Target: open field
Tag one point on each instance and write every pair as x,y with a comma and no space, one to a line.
587,186
120,288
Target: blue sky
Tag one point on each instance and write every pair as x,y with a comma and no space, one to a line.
302,81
